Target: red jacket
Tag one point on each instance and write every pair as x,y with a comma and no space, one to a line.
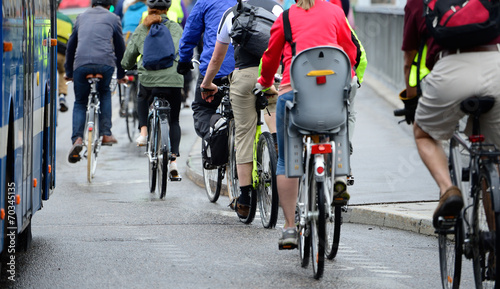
323,24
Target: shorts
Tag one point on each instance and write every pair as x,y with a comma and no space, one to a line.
245,117
453,79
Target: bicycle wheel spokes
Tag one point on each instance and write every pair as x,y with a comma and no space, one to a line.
317,206
232,174
213,183
304,237
485,225
267,190
450,255
130,110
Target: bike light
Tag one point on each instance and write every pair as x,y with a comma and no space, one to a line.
321,79
321,149
476,138
130,78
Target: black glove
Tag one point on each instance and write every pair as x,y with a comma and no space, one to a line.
184,67
410,107
260,100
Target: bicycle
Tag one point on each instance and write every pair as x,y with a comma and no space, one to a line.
474,168
264,192
213,176
91,138
128,105
158,147
317,150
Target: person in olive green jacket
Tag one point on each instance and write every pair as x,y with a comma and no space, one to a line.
166,83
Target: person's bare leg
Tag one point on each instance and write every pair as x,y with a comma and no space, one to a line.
270,121
288,189
434,158
245,174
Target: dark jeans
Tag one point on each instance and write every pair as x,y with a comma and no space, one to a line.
174,97
82,91
202,110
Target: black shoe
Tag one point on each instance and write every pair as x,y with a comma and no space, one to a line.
449,207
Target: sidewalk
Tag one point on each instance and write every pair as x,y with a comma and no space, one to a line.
409,216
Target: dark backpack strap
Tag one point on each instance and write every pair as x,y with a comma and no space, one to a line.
288,30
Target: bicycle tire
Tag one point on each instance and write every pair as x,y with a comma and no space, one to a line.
485,225
233,184
333,226
317,203
213,183
131,118
163,157
450,255
152,154
303,231
267,192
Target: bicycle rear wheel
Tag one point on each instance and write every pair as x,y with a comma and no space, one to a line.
317,204
163,158
130,107
90,154
304,232
267,191
485,225
450,255
233,185
213,182
152,154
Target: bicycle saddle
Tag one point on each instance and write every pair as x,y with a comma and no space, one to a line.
477,105
97,75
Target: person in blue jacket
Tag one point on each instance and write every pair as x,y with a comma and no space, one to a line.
204,20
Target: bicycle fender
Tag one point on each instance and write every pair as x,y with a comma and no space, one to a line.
165,138
495,185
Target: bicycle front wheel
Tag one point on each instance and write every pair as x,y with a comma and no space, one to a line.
317,204
450,255
485,225
333,225
213,182
267,192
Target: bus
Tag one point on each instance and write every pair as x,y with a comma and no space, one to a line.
27,119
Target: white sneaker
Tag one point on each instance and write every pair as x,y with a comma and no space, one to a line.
141,140
172,168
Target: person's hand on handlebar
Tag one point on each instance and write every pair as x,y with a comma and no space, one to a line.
208,91
123,80
268,91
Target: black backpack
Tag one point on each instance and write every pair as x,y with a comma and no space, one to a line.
159,50
462,23
252,27
215,146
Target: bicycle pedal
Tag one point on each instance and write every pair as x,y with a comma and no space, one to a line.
175,179
446,222
350,180
287,247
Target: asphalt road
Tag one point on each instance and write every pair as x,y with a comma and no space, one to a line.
113,233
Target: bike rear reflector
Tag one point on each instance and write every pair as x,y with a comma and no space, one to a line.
320,79
321,149
476,138
320,72
320,170
130,78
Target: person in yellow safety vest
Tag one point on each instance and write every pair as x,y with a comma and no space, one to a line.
64,30
174,13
